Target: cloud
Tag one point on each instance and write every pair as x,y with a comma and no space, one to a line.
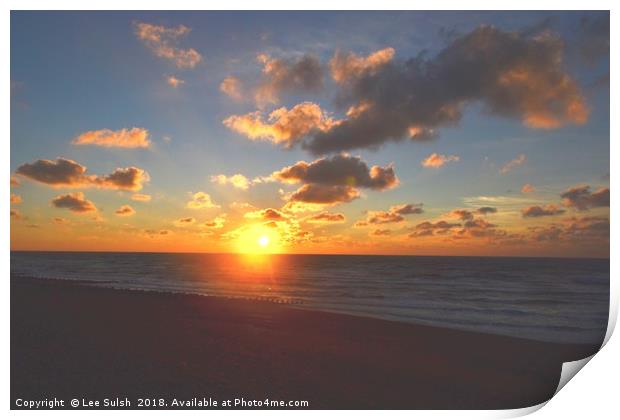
174,81
325,218
201,200
437,161
573,229
75,202
15,214
14,182
528,188
70,174
133,138
303,74
141,197
539,211
216,223
381,232
265,214
486,210
394,215
283,126
241,206
155,232
342,170
162,41
594,37
468,215
15,199
324,194
512,164
512,74
233,87
347,66
581,198
125,211
238,181
184,221
60,221
440,227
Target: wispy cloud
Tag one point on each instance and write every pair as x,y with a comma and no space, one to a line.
162,41
133,138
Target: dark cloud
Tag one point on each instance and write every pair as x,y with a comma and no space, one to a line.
266,214
464,214
594,37
325,217
394,215
573,229
125,210
486,210
324,194
433,228
75,202
581,198
280,75
381,232
68,173
512,74
339,170
184,221
539,211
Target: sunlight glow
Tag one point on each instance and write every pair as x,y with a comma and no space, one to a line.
259,239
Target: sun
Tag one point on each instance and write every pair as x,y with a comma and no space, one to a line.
259,239
263,241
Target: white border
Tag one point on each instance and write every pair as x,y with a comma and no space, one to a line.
592,394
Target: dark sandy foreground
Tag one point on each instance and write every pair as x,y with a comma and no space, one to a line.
70,341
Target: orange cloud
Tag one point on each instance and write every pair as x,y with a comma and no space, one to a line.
125,138
283,126
325,218
14,182
70,174
233,87
75,202
395,214
125,210
15,199
201,200
174,81
141,197
216,223
184,221
437,161
528,188
265,214
162,42
515,163
347,66
238,181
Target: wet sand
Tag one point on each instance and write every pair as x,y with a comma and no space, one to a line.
77,341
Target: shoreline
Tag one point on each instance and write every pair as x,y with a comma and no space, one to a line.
69,339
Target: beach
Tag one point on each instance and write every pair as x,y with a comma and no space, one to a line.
71,340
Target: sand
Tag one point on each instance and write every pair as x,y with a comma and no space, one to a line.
76,341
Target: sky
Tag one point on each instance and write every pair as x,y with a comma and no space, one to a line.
423,133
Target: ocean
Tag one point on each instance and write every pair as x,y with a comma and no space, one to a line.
548,299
